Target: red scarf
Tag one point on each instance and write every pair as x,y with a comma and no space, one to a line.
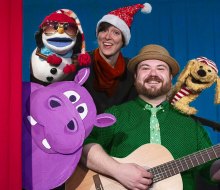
107,77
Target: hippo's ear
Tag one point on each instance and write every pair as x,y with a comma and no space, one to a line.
35,86
105,120
30,87
82,76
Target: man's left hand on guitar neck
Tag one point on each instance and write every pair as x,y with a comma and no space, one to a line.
215,171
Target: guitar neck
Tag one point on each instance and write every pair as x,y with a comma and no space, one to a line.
174,167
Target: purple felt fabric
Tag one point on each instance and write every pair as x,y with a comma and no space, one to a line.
56,120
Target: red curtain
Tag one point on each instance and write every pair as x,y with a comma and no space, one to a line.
10,95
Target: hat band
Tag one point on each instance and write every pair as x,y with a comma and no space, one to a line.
171,62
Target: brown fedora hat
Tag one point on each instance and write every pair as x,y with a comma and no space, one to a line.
153,51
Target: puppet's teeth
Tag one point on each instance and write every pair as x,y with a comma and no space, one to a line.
46,144
31,120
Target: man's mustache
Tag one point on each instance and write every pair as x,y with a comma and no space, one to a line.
153,78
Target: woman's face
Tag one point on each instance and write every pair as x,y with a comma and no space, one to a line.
110,41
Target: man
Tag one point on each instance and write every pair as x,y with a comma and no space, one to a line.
147,119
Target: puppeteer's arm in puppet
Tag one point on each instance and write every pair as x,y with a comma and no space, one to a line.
198,75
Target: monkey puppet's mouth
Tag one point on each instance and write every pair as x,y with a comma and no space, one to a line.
196,81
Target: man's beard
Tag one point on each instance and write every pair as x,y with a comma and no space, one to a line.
153,92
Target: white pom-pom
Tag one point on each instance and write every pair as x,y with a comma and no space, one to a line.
147,8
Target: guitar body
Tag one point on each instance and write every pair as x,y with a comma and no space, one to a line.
148,156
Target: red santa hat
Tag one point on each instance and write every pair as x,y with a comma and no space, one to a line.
66,15
62,15
208,62
122,18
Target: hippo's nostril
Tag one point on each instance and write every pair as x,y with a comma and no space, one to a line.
71,125
201,73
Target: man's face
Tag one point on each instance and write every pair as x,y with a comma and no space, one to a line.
110,41
153,78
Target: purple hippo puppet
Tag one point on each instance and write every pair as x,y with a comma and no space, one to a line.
56,120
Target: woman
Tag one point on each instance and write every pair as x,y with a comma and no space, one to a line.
110,83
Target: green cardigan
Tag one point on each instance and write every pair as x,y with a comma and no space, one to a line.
180,134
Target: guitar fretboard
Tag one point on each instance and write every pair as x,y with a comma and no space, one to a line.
174,167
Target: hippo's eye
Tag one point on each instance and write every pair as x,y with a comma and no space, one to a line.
83,110
72,96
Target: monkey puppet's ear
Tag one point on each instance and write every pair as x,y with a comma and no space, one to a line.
217,91
186,71
184,74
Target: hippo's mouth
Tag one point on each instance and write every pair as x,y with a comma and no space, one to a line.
38,135
50,144
60,42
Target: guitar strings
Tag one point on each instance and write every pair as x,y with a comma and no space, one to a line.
174,167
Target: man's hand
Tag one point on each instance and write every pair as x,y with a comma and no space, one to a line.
134,177
215,171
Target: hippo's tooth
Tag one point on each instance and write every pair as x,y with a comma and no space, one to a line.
46,144
31,120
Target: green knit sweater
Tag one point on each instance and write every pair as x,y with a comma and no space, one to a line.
180,134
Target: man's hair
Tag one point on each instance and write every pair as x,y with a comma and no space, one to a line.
104,26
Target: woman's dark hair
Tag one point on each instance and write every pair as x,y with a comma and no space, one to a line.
104,26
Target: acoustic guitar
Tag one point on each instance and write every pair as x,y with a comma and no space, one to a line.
159,162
